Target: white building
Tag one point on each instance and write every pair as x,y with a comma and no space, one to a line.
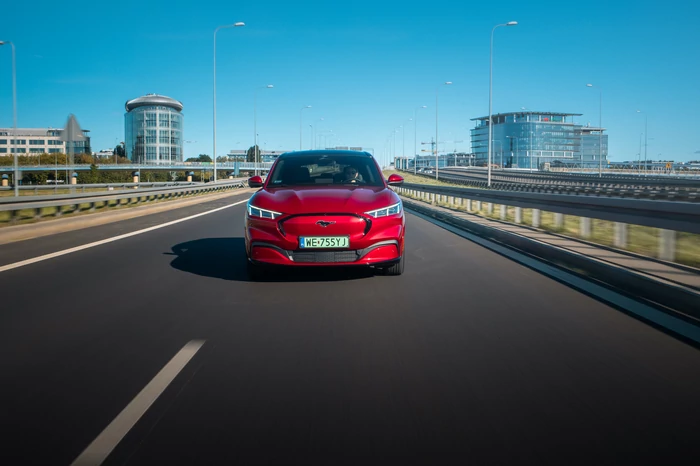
35,141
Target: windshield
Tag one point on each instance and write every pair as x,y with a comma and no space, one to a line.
325,169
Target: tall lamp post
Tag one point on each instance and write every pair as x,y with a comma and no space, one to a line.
415,127
446,83
513,138
14,114
501,143
300,123
646,138
396,130
256,152
600,130
234,25
509,23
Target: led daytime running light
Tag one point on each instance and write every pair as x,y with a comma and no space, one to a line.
262,213
386,211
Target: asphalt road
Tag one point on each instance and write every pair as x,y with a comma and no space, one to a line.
467,358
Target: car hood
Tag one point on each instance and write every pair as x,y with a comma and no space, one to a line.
307,200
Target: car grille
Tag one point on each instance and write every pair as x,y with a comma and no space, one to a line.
324,256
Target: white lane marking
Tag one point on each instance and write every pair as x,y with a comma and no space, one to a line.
108,439
33,260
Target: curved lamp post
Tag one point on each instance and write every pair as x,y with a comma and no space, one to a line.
509,23
234,25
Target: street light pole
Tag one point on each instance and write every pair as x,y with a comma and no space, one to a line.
396,130
300,123
513,138
415,147
14,114
447,83
509,23
600,130
646,138
238,24
256,152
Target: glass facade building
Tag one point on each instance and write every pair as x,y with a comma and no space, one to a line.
153,125
531,139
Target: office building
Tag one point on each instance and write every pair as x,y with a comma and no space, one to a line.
536,139
153,125
37,141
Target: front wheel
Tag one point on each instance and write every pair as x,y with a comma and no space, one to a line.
396,269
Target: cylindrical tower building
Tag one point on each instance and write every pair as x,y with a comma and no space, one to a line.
153,125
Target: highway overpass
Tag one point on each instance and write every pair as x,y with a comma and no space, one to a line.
193,166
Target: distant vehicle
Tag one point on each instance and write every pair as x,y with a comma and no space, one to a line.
325,208
55,182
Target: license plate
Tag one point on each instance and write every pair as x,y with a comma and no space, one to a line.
306,242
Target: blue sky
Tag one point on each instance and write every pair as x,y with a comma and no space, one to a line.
363,66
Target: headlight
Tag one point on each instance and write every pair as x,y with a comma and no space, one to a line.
262,213
386,211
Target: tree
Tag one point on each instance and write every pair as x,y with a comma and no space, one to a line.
202,158
250,155
120,151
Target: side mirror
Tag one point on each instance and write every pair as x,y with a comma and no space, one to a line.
255,182
395,180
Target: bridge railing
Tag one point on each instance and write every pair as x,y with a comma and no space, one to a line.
669,217
178,166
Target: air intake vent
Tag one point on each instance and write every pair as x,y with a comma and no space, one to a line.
325,256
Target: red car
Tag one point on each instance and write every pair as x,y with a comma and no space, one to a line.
325,208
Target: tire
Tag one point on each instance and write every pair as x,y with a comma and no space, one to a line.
396,269
255,272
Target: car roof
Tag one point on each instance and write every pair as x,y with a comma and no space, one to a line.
325,152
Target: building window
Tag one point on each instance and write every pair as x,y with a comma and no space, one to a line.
36,150
3,141
36,142
21,150
3,150
54,142
20,142
150,136
164,136
54,151
164,153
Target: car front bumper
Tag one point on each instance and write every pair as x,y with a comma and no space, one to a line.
381,246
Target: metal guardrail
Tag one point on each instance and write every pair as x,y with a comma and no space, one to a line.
82,187
617,190
38,203
581,178
670,215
